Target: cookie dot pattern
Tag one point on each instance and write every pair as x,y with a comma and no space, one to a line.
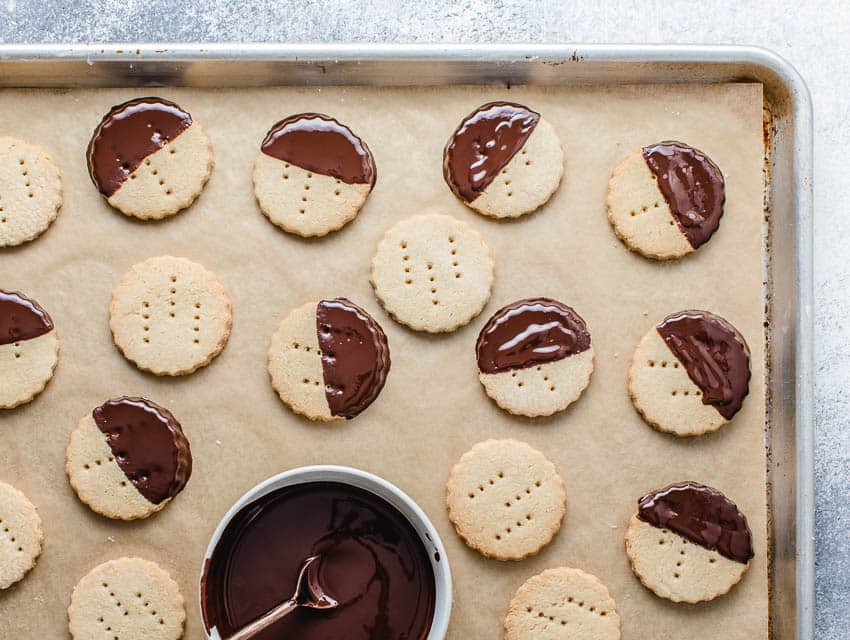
688,543
432,273
128,599
30,191
29,349
562,603
149,158
312,175
690,373
170,316
487,162
505,499
666,200
20,535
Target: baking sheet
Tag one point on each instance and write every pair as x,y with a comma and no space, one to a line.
432,409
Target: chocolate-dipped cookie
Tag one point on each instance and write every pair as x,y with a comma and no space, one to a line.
688,542
534,357
128,458
329,359
312,175
690,373
149,158
504,160
666,200
29,349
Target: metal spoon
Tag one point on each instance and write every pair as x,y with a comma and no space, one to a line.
308,593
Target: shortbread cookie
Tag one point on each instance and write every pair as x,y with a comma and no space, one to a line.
432,272
29,349
129,599
170,316
312,175
666,200
30,191
504,160
329,359
128,458
562,604
688,543
20,535
505,499
149,158
534,357
690,373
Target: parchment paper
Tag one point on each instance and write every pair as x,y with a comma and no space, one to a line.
433,408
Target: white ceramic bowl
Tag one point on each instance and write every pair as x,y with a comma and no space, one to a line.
380,487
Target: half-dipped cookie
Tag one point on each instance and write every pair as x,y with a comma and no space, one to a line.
128,458
534,357
688,542
666,200
29,349
312,175
690,373
504,160
329,359
149,158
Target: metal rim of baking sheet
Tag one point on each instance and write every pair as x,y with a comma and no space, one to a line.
788,268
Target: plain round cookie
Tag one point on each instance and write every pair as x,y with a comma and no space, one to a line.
663,387
30,191
312,175
128,598
170,316
128,459
328,360
534,357
504,160
29,349
20,535
432,273
562,604
505,499
665,201
149,158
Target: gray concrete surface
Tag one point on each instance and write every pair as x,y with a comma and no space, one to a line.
812,35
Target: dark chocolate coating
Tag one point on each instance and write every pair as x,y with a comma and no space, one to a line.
128,134
148,444
21,318
372,562
702,515
355,356
530,332
715,356
691,184
320,144
483,144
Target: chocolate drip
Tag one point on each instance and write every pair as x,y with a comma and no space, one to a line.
319,143
702,515
355,356
483,144
21,318
128,134
372,562
714,354
148,444
528,333
691,184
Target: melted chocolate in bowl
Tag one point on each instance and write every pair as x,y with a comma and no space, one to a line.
372,561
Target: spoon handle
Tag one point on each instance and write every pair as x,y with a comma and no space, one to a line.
265,620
